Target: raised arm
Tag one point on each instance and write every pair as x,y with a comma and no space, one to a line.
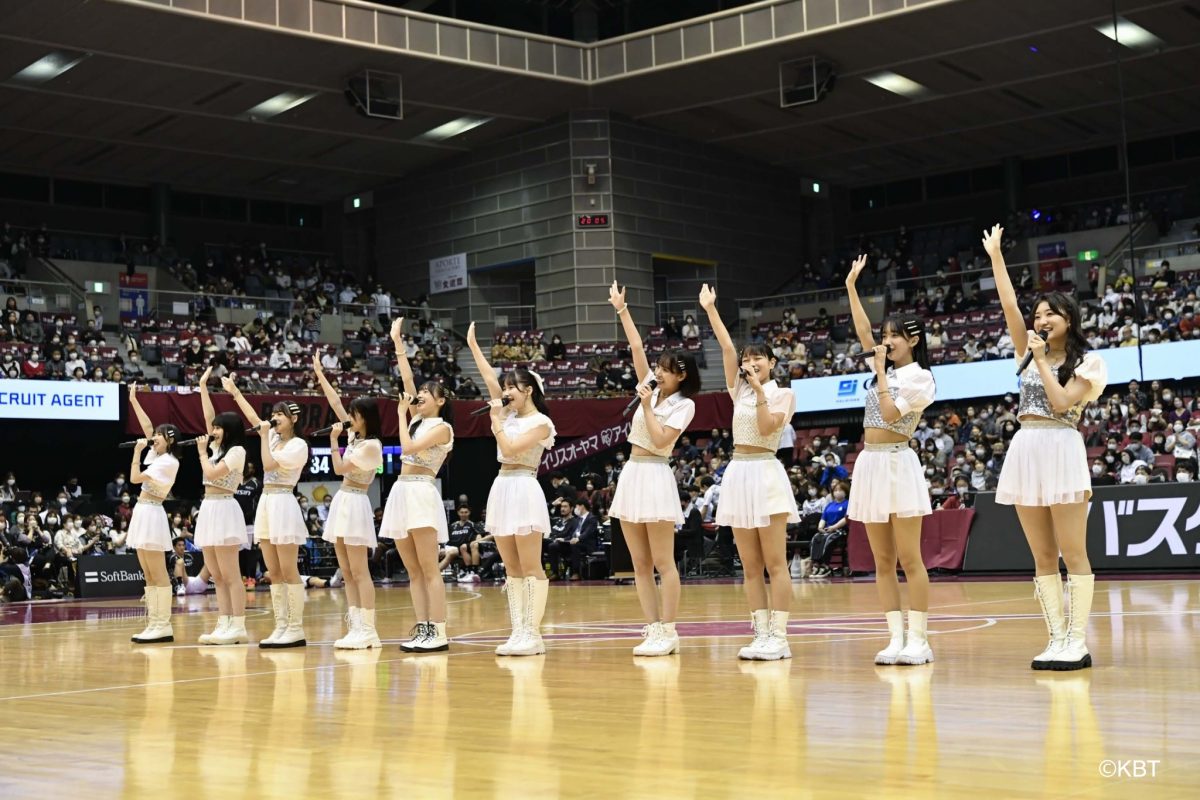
641,366
485,369
142,417
729,357
206,402
1008,296
248,410
335,402
862,323
406,373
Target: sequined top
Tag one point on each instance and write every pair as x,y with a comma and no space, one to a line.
911,388
158,476
235,459
674,412
745,413
431,458
362,458
290,457
513,427
1034,401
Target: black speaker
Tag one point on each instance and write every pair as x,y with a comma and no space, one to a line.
376,94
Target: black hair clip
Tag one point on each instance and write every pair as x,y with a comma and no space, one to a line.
680,365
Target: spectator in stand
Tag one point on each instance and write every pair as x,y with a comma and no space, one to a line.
1101,475
31,329
10,369
671,330
690,329
279,358
329,359
831,470
831,530
34,367
347,363
55,367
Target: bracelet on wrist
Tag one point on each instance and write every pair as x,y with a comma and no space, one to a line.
622,309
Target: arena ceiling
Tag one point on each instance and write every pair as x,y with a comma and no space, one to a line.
163,96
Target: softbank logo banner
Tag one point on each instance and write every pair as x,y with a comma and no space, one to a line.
59,400
113,576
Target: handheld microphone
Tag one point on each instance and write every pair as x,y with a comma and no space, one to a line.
328,430
130,445
653,384
871,353
273,422
1029,354
193,440
503,402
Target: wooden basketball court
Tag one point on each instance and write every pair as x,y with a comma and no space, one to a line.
85,713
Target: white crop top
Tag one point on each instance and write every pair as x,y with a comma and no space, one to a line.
290,456
912,390
745,413
364,457
515,426
159,473
674,412
236,459
431,458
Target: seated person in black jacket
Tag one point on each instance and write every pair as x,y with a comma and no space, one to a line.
690,536
581,537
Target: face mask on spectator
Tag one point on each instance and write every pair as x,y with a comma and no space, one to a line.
959,459
1141,478
124,498
929,472
1183,477
962,488
839,495
1112,447
812,492
1097,469
921,424
1178,426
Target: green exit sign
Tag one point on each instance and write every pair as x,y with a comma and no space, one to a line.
1089,255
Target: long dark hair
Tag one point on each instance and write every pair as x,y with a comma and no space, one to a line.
907,325
171,434
231,431
1065,306
521,378
368,409
681,362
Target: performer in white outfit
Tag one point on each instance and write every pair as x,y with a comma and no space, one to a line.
647,496
516,508
350,526
278,522
889,494
414,515
756,495
149,530
1045,473
220,525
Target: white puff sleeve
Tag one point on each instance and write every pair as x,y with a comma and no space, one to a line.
916,391
1093,370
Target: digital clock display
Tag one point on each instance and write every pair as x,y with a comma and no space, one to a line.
593,220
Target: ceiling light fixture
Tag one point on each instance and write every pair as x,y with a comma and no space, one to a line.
47,68
272,107
453,128
1130,34
897,84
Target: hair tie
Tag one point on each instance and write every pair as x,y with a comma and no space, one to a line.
538,379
